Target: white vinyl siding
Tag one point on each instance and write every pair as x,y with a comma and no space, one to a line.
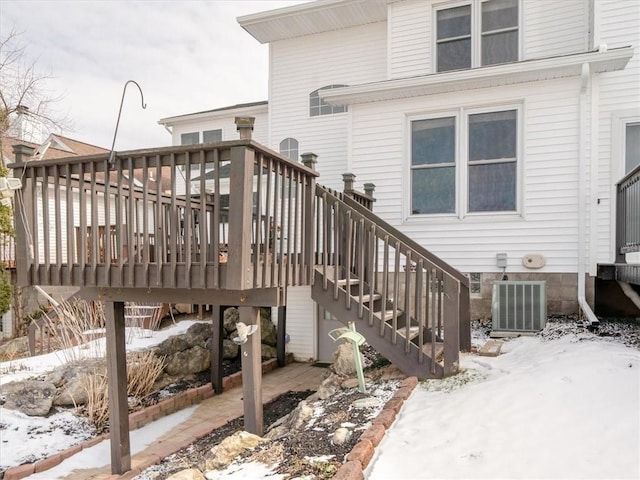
618,97
547,28
548,188
300,323
300,66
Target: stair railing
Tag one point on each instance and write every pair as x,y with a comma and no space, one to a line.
360,250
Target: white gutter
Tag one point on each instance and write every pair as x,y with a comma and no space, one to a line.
583,200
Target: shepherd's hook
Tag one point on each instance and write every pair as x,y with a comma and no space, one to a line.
112,154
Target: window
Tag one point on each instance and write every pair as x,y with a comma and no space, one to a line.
487,164
317,106
212,136
190,138
433,165
475,34
631,146
289,148
492,161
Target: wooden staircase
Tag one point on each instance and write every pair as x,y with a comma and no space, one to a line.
407,303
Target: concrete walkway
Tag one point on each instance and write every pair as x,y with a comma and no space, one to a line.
209,415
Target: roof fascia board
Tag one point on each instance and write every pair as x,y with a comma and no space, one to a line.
212,114
497,75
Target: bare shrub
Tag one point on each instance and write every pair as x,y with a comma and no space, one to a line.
97,406
70,325
143,369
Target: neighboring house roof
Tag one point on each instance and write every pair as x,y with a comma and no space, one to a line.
313,17
55,146
240,108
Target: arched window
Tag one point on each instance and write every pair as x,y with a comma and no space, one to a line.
317,106
289,148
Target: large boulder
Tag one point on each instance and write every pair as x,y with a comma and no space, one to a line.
192,360
230,318
268,333
226,451
69,379
172,345
344,360
31,397
230,349
268,351
199,334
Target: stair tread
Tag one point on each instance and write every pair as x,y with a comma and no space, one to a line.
352,281
388,314
413,332
426,348
367,297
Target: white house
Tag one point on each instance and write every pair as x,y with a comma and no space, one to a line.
495,131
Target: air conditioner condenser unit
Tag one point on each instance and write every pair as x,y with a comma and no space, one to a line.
519,306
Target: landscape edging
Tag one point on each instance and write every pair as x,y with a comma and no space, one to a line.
137,420
363,451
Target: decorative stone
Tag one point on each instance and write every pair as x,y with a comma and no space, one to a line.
268,351
341,435
299,416
193,360
226,451
367,402
188,474
354,383
230,317
344,360
31,397
268,332
229,349
198,334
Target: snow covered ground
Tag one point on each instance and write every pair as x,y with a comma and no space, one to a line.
565,404
566,408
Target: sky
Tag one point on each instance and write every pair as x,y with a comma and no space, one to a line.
187,57
543,409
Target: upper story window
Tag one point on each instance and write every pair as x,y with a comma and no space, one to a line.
289,148
191,138
212,136
482,175
317,106
481,32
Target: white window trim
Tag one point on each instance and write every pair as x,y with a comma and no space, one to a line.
476,31
462,165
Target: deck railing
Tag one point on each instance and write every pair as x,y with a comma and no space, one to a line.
352,243
628,215
231,215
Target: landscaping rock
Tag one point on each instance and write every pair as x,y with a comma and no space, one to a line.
188,474
268,332
327,388
69,379
172,345
230,318
226,451
344,360
229,349
341,435
198,334
268,351
193,360
31,397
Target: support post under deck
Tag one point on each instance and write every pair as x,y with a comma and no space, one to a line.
281,333
117,375
216,348
251,353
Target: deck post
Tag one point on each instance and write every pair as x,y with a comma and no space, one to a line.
216,348
239,268
451,311
24,258
464,317
251,353
310,160
117,387
281,333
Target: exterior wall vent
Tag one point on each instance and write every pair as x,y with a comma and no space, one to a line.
519,306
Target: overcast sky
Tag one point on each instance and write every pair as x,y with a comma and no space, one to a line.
187,56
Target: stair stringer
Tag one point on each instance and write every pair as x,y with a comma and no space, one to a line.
409,363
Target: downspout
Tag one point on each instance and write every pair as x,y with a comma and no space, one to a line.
583,200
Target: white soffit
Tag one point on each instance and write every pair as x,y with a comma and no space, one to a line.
482,77
314,17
